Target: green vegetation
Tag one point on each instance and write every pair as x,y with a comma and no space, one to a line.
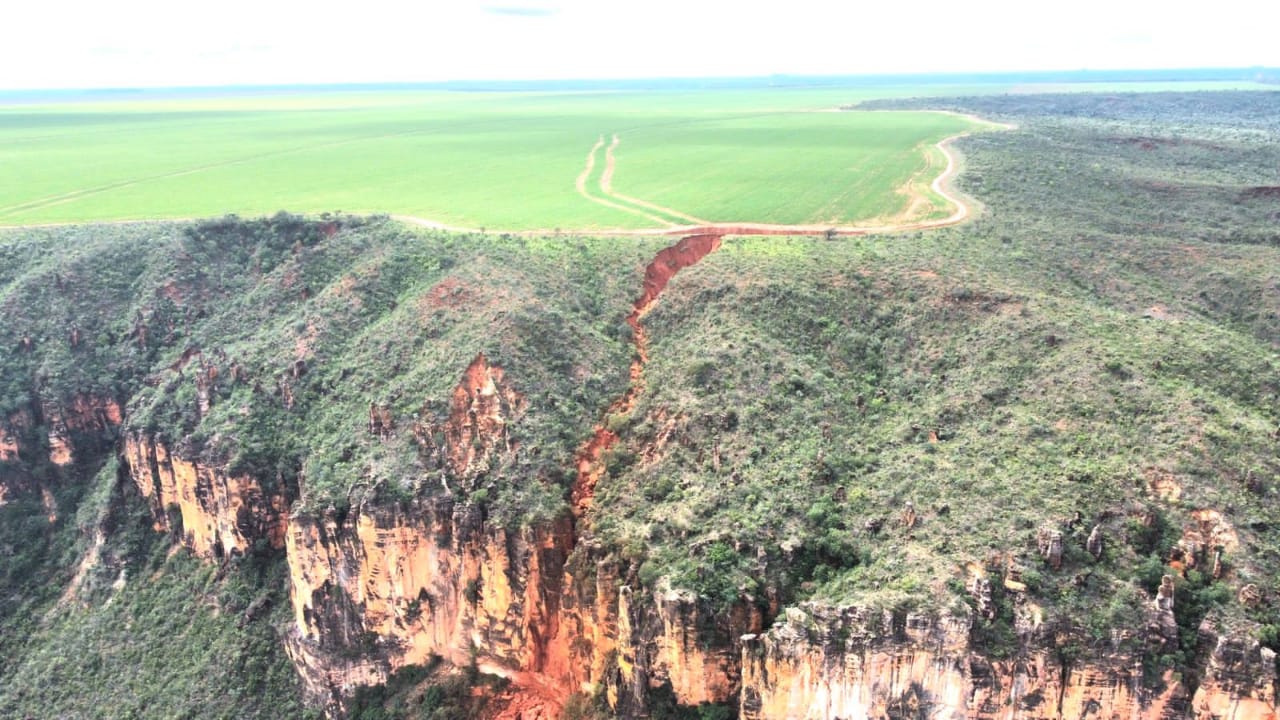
138,632
858,421
335,314
496,160
1108,322
311,323
792,168
424,692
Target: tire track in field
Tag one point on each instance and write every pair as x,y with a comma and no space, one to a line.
585,176
939,186
606,186
581,183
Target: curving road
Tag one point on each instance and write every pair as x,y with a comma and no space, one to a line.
940,185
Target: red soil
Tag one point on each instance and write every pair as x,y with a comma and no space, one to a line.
664,266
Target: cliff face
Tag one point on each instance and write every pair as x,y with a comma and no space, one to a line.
79,430
76,427
84,415
1240,681
542,606
824,663
674,639
387,587
214,514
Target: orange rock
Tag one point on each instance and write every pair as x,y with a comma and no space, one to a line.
84,414
822,662
480,408
220,515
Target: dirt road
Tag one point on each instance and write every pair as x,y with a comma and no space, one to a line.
940,185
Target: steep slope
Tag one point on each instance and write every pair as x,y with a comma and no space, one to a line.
1024,467
245,351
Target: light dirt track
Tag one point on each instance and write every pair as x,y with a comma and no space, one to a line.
581,183
585,176
940,185
606,186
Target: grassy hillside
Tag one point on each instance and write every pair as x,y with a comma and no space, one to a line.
374,312
868,420
136,631
1099,350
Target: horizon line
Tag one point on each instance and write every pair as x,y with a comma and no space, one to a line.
1262,74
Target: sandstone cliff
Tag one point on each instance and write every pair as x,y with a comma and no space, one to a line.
820,662
78,426
384,584
214,514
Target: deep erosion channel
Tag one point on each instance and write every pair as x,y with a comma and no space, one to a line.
538,697
664,266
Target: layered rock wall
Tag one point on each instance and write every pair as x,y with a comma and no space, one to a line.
213,513
823,663
398,585
79,426
1239,682
381,586
379,589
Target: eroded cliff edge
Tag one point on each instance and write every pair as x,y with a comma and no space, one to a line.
409,552
541,605
384,585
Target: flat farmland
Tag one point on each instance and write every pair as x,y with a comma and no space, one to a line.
503,161
840,168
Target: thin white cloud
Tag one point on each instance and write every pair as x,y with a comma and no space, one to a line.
87,43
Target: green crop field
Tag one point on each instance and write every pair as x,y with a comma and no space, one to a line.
494,160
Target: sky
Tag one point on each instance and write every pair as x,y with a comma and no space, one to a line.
164,43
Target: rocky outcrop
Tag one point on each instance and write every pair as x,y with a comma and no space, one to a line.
1095,543
821,662
676,639
382,585
79,426
84,415
1239,682
1049,540
380,588
80,430
213,513
385,587
853,663
9,431
480,409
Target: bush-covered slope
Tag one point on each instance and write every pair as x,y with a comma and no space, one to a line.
260,346
866,421
1076,394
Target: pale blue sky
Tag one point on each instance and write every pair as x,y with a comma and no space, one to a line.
91,43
